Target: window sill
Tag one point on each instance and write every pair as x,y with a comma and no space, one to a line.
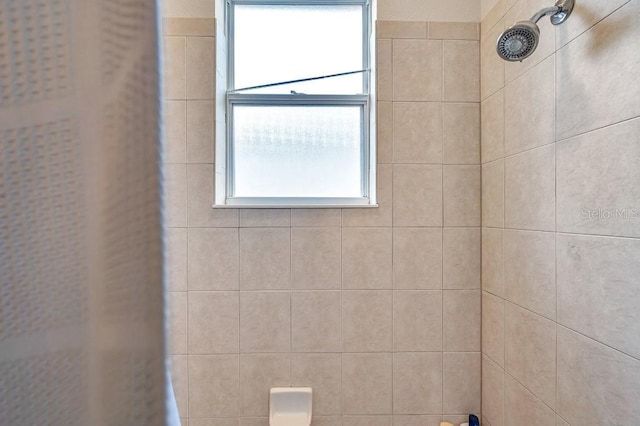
295,206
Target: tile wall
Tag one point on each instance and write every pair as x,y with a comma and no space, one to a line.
560,141
377,309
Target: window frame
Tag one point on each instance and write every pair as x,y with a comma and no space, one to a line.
365,101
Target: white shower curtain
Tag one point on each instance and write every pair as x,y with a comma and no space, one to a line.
81,294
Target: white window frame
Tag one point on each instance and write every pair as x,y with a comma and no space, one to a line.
224,152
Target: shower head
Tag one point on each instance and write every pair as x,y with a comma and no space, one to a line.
520,40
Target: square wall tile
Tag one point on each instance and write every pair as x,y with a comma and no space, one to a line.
258,374
462,323
461,71
366,384
323,373
417,195
522,407
175,131
213,322
493,194
493,328
176,258
200,58
492,392
177,329
316,217
174,54
384,152
462,191
367,258
530,270
384,70
175,195
381,215
259,218
265,258
530,190
417,70
454,31
461,123
417,132
492,66
367,321
200,202
214,262
316,258
493,261
590,12
417,258
265,322
461,382
213,386
530,352
416,420
200,131
462,258
366,420
401,29
316,321
417,383
417,320
492,125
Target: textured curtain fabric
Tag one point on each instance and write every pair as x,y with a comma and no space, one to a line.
81,295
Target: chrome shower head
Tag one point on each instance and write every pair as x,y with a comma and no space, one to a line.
520,40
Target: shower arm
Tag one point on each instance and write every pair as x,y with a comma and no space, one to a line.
545,12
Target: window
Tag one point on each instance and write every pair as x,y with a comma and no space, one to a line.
298,105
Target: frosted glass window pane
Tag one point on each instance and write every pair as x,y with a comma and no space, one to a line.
284,42
297,151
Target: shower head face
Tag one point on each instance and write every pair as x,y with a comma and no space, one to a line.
519,41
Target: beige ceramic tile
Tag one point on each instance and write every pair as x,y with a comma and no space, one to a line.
598,185
561,422
417,383
461,382
316,258
175,131
417,70
175,195
530,190
177,335
366,421
495,14
176,258
385,132
416,420
493,194
367,321
315,322
188,8
189,27
491,66
366,384
529,105
174,54
322,373
384,70
200,67
213,322
265,258
462,196
522,407
586,13
589,74
454,30
462,258
258,218
493,392
213,386
417,258
612,380
213,422
492,123
493,327
379,216
327,420
461,139
213,259
401,29
417,132
199,205
530,270
461,71
493,261
367,258
265,322
316,217
417,320
200,131
598,289
179,369
417,195
258,374
462,324
530,352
